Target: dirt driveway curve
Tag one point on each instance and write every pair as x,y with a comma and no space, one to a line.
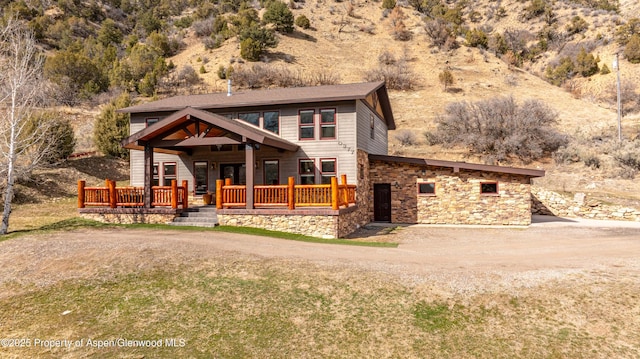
461,258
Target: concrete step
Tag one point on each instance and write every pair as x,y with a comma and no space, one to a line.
199,215
196,219
204,216
194,224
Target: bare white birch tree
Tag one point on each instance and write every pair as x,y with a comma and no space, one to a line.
22,90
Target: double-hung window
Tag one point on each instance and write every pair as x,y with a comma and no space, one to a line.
327,169
271,172
307,172
328,124
169,173
156,174
307,124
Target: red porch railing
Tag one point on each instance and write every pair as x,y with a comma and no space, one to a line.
332,195
114,197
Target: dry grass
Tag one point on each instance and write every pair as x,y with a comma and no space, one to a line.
237,306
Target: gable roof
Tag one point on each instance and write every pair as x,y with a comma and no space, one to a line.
278,96
459,165
201,136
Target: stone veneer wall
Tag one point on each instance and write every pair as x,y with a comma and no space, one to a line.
130,218
323,223
552,203
457,199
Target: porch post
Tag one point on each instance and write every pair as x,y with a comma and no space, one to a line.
334,193
219,184
250,159
81,197
148,175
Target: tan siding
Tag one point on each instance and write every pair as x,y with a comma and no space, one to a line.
343,148
378,145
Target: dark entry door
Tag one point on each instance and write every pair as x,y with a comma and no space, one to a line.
382,202
235,171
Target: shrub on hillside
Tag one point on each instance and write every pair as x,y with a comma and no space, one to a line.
577,25
500,129
75,75
406,137
626,31
535,9
388,4
586,64
303,22
278,13
112,127
398,76
254,40
441,33
632,49
59,138
446,79
477,38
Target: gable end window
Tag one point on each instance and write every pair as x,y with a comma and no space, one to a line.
271,121
251,117
151,121
372,124
427,188
328,124
307,125
489,188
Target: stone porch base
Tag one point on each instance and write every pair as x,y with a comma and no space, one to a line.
316,222
130,215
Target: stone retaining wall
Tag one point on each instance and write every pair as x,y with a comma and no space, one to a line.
551,203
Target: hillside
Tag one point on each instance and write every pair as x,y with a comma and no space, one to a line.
123,42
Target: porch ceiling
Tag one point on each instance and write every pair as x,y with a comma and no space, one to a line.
191,127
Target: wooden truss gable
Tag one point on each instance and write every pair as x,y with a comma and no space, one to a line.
189,128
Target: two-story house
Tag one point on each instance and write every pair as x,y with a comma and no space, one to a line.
256,145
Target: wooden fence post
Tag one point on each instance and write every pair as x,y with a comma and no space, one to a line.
185,198
81,185
113,194
334,193
291,193
219,193
174,194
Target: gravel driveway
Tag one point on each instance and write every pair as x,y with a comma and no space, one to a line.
461,259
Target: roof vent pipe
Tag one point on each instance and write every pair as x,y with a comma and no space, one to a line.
229,87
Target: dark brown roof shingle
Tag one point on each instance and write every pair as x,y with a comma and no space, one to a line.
278,96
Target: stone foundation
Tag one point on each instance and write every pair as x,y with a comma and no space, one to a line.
129,215
551,203
322,223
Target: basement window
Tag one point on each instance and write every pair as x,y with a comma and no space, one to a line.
489,188
427,188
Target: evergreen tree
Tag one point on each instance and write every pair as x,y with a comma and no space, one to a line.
112,127
586,63
278,13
